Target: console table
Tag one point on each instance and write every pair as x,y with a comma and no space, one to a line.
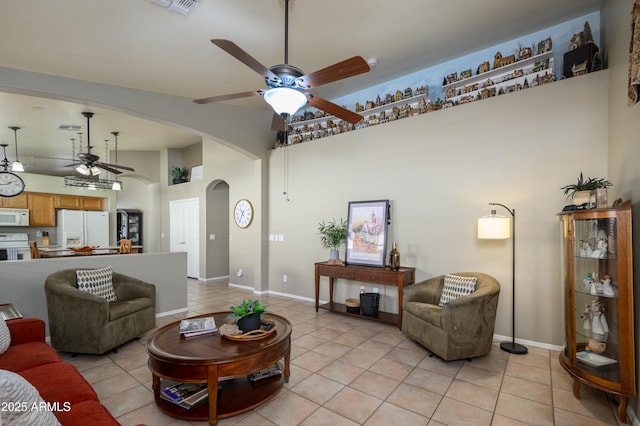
385,276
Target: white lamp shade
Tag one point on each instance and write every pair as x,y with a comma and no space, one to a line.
116,186
17,167
285,100
95,171
494,227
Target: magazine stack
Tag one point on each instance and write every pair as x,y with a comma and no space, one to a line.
197,327
186,395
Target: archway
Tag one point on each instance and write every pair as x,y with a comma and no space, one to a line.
217,225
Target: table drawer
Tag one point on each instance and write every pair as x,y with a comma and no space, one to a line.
381,276
336,272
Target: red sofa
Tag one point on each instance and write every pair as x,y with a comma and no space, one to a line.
56,381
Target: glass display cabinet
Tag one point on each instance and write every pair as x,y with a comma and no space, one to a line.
597,271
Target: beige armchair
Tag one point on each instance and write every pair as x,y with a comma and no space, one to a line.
81,322
462,328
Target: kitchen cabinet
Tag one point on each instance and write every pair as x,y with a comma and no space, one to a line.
75,202
598,278
41,209
129,225
67,202
17,202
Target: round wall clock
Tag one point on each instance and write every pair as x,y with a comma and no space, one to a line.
10,184
243,213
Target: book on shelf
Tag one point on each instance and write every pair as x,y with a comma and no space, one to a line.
186,395
197,326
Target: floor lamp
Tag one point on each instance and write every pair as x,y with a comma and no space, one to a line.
496,227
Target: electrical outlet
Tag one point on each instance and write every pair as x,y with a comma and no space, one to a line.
284,278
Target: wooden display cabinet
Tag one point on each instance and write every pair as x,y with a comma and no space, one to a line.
598,277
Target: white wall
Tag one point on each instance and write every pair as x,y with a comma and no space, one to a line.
624,149
440,170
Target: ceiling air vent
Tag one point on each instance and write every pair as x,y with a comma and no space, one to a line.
182,6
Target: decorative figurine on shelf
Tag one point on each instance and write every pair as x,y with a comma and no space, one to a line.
607,288
586,317
585,248
599,323
588,281
595,346
394,257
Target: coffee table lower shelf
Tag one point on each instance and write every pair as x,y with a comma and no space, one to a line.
235,396
341,308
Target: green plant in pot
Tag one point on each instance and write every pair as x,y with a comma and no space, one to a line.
583,190
179,174
332,235
247,314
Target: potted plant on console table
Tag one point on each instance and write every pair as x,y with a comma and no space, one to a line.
248,314
332,235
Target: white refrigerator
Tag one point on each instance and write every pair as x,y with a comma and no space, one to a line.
79,228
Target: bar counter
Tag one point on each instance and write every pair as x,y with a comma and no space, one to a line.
57,251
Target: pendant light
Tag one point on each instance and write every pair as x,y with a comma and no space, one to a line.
17,165
117,186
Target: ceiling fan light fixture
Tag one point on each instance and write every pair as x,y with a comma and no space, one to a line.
17,166
83,170
95,171
285,100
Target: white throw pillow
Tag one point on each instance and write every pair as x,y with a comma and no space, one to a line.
21,402
456,286
5,337
97,281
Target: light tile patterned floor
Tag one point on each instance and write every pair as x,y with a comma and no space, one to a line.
350,371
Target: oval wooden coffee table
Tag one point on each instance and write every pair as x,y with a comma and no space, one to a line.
221,363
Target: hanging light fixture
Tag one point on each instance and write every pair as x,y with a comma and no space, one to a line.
16,166
117,186
285,100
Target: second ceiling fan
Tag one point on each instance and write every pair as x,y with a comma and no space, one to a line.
288,85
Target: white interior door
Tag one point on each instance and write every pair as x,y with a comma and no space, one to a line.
184,218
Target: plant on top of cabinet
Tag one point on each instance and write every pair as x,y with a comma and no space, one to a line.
580,192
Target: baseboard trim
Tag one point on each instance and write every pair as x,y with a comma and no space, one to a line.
172,312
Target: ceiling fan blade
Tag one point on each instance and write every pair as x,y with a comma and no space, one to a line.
347,68
107,168
116,166
333,109
227,97
51,158
234,50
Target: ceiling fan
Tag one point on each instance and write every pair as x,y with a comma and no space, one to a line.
89,164
288,85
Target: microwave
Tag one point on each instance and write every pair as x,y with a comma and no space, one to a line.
14,217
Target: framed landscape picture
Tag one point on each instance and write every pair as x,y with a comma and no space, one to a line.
367,232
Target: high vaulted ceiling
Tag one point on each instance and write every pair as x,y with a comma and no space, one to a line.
139,44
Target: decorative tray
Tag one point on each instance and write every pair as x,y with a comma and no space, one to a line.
83,249
594,360
261,333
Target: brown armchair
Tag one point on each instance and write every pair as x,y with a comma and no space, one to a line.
81,322
462,328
